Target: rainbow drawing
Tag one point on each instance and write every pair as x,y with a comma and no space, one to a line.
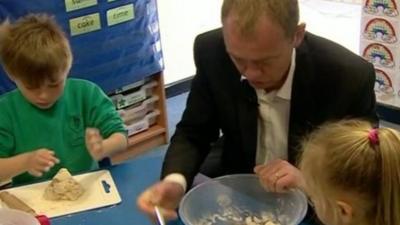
379,55
381,7
380,30
383,82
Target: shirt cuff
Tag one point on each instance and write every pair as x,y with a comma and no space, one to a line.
177,178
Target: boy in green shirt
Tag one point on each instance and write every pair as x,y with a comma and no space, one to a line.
49,121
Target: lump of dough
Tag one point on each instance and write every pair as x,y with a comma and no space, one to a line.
63,187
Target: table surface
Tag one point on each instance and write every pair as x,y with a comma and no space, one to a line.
131,178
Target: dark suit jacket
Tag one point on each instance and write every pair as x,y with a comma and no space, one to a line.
329,83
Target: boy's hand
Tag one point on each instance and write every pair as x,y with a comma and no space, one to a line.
40,161
94,143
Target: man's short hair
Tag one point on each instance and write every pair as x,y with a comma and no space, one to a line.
283,12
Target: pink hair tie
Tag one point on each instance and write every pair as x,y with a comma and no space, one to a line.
373,136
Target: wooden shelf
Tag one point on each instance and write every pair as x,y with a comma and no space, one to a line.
142,142
146,135
155,136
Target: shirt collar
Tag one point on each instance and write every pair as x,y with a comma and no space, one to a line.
285,91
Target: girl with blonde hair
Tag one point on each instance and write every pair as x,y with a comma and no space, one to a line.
352,173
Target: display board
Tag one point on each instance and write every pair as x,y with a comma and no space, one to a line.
114,42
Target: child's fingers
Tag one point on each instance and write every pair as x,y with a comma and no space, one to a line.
42,166
97,147
94,148
53,159
35,173
93,140
89,133
40,161
39,170
96,151
92,132
94,144
48,158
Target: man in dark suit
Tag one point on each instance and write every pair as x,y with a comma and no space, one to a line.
264,83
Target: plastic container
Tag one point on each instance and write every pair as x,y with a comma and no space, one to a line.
130,86
124,100
240,199
143,124
16,217
138,111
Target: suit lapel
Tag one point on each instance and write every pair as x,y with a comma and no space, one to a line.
248,118
302,103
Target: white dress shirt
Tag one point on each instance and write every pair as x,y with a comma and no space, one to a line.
273,120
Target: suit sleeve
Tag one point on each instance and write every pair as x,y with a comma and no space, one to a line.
199,126
364,104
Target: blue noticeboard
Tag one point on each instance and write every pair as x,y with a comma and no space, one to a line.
114,42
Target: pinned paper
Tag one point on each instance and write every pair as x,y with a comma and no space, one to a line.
151,7
379,55
120,14
85,24
381,8
380,30
379,44
71,5
157,46
153,28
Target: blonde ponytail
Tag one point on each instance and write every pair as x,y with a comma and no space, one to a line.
351,157
388,199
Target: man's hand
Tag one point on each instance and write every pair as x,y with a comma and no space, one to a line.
166,195
40,161
94,143
279,176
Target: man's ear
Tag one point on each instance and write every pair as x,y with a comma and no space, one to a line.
345,212
299,35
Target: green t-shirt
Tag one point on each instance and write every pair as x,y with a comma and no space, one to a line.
24,127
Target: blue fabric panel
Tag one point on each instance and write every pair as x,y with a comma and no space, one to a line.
113,56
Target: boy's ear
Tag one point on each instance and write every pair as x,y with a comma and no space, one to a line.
345,212
9,75
11,78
